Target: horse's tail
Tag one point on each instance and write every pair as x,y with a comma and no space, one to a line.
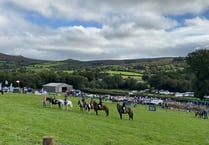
107,111
71,104
131,114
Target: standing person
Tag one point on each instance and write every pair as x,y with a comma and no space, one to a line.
100,102
44,101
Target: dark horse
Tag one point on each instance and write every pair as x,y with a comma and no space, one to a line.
127,111
53,101
97,108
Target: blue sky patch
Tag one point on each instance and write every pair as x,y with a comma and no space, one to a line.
56,23
181,18
205,14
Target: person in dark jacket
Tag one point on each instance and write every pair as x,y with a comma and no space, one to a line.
100,102
66,99
83,100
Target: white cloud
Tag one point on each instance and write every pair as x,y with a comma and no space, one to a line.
130,29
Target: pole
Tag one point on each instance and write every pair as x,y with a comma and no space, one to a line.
48,140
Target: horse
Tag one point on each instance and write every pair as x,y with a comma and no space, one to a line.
53,101
202,114
68,104
81,104
97,108
84,105
128,111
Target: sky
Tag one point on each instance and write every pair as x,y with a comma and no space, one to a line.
100,30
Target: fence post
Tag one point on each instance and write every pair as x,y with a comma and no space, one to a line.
48,140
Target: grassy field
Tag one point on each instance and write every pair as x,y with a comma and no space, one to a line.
43,66
24,122
125,74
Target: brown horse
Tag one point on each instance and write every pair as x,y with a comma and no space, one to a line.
97,108
128,111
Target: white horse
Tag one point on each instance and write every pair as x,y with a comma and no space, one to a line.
69,104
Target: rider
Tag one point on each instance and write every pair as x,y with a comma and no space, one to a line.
53,100
83,99
100,102
65,100
124,106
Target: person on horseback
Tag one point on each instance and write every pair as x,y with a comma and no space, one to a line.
100,102
124,106
65,100
83,99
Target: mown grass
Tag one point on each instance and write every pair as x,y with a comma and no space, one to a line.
24,122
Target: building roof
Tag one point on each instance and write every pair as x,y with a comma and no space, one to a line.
56,84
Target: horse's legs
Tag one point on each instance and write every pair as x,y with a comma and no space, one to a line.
96,111
59,104
107,112
44,105
130,116
121,116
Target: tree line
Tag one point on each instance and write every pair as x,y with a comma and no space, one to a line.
98,78
191,77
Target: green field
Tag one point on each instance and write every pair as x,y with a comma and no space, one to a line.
24,122
43,66
125,74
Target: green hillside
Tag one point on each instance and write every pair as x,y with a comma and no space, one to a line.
9,62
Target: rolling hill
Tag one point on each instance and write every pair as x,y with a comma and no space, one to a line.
10,62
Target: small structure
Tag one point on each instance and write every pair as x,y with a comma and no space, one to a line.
57,87
152,108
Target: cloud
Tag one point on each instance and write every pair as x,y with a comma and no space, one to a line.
91,29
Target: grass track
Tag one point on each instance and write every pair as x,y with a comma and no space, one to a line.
24,122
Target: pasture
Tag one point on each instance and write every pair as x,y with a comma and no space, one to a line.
23,121
125,74
43,66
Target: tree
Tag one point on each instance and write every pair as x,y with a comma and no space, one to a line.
171,81
198,63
